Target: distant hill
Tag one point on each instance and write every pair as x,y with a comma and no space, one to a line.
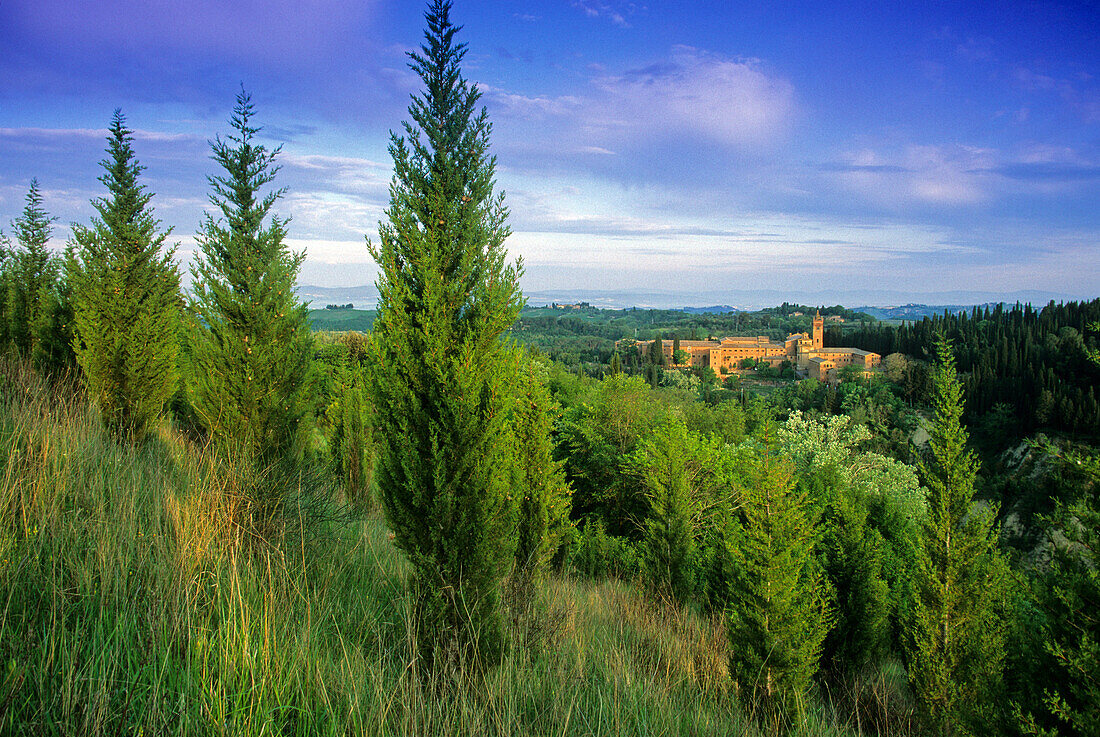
342,319
918,311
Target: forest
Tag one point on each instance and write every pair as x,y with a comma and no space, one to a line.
481,518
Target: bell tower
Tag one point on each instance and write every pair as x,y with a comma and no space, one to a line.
819,331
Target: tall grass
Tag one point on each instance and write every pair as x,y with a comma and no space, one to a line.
138,596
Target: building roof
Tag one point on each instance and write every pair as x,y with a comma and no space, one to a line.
846,351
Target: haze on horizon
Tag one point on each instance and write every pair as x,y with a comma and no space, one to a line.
870,147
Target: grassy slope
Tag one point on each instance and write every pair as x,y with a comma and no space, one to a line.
132,600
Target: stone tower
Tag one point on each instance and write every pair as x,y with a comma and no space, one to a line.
819,331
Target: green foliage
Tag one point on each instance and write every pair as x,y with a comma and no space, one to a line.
956,637
596,435
125,295
778,611
250,341
31,288
598,555
354,459
538,481
441,373
1069,597
683,477
131,604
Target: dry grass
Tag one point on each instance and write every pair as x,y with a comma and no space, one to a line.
139,595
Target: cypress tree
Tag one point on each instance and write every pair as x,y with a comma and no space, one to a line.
539,483
956,637
441,369
778,604
34,274
126,299
251,344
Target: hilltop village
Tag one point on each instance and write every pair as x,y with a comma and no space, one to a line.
805,351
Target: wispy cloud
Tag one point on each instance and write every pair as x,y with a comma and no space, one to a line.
616,12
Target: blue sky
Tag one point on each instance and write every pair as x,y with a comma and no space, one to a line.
793,146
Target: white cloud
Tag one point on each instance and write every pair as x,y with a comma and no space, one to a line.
729,101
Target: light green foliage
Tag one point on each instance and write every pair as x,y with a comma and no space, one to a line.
833,442
957,632
778,606
684,476
250,342
34,275
681,380
442,374
537,481
126,299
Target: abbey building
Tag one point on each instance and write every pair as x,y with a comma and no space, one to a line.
805,351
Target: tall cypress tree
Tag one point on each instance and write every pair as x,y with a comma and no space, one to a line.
777,601
126,298
441,369
956,639
34,274
251,344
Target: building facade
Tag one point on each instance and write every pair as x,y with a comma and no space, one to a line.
806,351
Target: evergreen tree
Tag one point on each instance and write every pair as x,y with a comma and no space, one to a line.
681,475
957,632
53,350
539,484
126,299
616,364
352,455
34,274
441,370
778,605
251,344
7,262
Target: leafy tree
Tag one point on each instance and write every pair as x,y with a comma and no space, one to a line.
441,371
126,299
956,638
34,274
778,608
250,339
596,436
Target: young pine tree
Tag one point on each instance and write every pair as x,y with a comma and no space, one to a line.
441,371
956,639
777,601
251,345
34,275
126,300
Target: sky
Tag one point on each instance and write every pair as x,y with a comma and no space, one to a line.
672,147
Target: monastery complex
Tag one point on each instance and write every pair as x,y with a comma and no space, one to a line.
807,352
